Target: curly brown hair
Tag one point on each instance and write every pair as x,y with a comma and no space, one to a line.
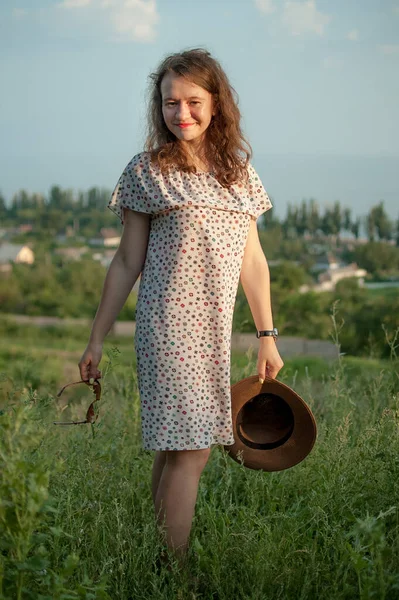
226,148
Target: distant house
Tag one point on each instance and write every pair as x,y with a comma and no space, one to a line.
71,253
333,275
108,237
329,279
325,261
25,228
14,253
8,233
63,237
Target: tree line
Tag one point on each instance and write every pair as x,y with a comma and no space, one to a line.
85,213
309,218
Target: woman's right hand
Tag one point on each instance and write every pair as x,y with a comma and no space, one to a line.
88,364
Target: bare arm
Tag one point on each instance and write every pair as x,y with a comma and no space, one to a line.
255,280
121,276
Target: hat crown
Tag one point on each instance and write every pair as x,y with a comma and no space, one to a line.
265,422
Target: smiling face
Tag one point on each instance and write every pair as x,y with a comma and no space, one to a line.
187,108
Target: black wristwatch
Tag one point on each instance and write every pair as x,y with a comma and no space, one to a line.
268,332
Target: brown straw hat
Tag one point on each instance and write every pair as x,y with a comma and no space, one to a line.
274,429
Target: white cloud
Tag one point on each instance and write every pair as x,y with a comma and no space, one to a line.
74,3
353,35
18,13
389,48
395,9
303,17
265,6
136,20
130,20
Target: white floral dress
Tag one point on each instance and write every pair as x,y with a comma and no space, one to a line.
186,298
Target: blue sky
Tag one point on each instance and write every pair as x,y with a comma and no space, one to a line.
317,81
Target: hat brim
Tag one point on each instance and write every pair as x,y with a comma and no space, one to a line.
300,439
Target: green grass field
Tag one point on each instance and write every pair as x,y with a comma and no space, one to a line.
386,292
76,515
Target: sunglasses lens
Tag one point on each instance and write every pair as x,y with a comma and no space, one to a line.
74,403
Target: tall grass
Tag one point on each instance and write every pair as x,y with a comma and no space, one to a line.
77,521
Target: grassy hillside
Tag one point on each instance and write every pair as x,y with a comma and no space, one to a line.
76,516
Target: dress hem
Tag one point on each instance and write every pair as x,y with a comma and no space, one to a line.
195,448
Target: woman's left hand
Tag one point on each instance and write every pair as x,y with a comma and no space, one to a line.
269,360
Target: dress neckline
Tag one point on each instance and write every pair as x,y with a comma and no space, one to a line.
197,173
204,173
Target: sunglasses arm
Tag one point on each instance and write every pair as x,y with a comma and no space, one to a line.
90,415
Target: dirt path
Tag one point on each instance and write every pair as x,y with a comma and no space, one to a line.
288,346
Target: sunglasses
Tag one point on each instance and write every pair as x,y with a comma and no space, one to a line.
90,415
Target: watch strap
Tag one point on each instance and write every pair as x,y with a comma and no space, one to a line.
267,333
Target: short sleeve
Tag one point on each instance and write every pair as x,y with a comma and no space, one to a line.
260,201
133,188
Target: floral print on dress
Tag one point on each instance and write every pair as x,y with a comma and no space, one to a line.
186,298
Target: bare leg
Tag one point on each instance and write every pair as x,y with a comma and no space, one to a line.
177,495
157,468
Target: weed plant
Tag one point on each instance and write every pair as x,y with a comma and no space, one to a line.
77,520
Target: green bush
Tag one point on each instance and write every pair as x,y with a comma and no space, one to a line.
28,534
